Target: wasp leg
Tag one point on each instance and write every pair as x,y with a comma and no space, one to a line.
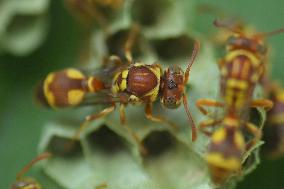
207,102
116,60
143,150
90,118
133,34
210,123
263,103
150,116
255,132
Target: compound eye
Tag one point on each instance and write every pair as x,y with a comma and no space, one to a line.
172,84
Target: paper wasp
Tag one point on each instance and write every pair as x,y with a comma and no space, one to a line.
28,182
130,83
274,127
241,70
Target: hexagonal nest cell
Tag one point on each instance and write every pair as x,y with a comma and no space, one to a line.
172,48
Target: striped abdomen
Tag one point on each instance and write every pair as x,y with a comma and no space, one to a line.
225,152
67,88
239,74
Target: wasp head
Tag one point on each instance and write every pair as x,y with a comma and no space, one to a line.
173,87
254,43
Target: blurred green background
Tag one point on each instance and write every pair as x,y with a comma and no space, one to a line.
21,120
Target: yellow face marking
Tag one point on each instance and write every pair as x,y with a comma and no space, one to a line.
233,54
219,135
239,141
75,97
217,159
47,93
74,74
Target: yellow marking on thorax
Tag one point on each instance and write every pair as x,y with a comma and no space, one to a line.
75,97
239,140
135,100
241,52
219,135
74,74
239,84
154,92
47,93
218,160
115,87
123,84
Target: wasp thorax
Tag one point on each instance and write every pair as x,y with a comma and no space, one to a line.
173,86
253,44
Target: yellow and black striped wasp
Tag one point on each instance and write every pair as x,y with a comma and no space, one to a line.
129,82
242,68
28,182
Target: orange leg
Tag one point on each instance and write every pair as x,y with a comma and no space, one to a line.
90,118
131,132
150,116
207,102
263,103
133,35
255,132
210,123
189,116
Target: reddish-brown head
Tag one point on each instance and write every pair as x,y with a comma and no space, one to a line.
174,80
173,87
255,44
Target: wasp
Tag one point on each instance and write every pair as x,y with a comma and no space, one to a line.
131,82
28,182
274,126
241,70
